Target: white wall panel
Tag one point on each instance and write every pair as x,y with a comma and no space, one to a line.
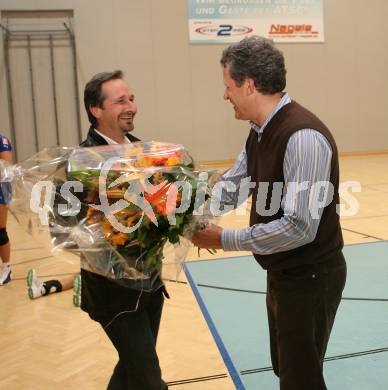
179,86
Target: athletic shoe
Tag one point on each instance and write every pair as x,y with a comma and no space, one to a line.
5,276
77,291
35,286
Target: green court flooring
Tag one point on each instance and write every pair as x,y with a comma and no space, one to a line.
231,294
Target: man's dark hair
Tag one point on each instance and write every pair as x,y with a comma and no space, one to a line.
257,58
93,95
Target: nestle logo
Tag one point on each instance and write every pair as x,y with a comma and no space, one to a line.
224,30
292,30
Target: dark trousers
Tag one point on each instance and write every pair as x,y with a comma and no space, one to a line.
134,337
302,303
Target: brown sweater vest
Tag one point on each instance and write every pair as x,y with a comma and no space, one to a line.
265,164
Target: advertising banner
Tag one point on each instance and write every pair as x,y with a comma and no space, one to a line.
226,21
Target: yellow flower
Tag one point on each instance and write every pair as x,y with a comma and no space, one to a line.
173,161
144,162
133,151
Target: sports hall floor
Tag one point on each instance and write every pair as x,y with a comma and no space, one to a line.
48,343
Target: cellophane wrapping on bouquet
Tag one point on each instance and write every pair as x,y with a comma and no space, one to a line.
127,209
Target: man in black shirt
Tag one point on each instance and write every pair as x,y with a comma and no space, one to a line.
129,316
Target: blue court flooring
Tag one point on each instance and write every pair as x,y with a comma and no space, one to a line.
231,294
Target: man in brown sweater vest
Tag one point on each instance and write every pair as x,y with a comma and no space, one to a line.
294,231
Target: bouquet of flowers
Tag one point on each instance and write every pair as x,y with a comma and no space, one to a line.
131,207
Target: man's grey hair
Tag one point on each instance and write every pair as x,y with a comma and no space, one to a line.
257,58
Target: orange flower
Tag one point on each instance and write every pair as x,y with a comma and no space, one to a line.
131,219
92,215
115,193
157,196
118,238
159,199
144,162
175,160
107,228
159,161
133,151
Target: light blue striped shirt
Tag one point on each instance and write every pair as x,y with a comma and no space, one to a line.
307,159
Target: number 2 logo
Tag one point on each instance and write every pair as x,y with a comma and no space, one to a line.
224,30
